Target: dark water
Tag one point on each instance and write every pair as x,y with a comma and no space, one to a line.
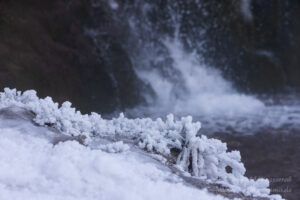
269,150
273,156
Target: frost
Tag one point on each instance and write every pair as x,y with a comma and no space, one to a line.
116,147
199,155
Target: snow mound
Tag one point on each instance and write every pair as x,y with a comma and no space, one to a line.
200,156
34,169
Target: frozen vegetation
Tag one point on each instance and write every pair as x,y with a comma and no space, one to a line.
207,159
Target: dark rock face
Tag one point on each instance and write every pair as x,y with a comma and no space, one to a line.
259,53
44,46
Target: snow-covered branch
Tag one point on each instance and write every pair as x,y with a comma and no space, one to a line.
200,156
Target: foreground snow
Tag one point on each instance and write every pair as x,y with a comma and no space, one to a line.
32,168
199,156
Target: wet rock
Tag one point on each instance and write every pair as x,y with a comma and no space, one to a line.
44,46
258,53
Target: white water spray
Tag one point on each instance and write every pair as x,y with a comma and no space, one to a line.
206,91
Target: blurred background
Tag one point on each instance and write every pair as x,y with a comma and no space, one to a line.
87,51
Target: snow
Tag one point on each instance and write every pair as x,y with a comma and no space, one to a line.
32,168
209,157
115,147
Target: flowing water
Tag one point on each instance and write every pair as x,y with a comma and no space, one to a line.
172,62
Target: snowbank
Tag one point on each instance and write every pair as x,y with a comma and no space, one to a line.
202,157
33,169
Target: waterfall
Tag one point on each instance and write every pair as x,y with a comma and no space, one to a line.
168,44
